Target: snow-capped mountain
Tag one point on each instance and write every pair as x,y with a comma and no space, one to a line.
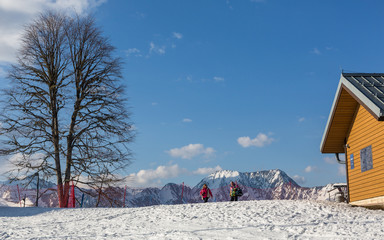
260,185
260,179
270,184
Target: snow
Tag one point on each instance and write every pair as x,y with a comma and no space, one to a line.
266,219
4,202
225,174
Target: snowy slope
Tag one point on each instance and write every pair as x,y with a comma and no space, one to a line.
5,203
268,219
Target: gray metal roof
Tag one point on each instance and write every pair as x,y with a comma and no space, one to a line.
366,88
371,85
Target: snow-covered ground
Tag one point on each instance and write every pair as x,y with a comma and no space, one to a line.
266,219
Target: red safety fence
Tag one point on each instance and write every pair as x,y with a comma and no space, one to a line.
185,194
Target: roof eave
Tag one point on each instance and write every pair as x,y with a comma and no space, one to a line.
331,115
359,97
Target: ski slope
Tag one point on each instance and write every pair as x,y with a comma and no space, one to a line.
266,219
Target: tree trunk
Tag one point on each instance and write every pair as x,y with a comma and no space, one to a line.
67,177
56,140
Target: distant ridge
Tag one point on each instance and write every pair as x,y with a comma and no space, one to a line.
259,185
259,179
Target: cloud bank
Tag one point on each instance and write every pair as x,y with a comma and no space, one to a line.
153,177
14,14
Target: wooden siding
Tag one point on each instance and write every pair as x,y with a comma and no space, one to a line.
366,131
340,123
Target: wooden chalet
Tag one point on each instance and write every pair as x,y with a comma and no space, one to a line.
355,128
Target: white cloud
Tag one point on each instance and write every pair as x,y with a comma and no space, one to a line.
8,166
341,170
153,177
190,151
154,104
302,119
34,160
161,50
36,6
218,79
206,171
133,52
299,179
310,169
260,140
330,160
5,166
14,14
187,120
153,48
177,35
316,51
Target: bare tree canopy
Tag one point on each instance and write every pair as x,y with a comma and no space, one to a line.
65,114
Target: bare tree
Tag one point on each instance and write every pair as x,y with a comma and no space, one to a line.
30,119
66,87
98,131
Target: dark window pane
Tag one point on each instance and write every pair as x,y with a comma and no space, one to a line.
366,158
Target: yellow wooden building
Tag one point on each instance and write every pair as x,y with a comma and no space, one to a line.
355,128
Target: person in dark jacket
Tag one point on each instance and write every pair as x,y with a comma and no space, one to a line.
233,191
205,193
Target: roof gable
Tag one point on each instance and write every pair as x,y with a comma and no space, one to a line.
366,89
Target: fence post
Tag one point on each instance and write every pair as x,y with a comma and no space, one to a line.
19,194
82,200
72,199
37,189
125,193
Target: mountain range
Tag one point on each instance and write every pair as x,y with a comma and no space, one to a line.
260,185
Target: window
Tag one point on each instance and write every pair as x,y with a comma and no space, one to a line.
366,158
352,161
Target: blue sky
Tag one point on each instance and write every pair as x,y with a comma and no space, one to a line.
242,85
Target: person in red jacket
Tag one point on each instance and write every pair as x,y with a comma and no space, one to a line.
205,193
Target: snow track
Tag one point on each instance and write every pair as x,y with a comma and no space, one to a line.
268,219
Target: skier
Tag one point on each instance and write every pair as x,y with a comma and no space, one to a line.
233,191
205,193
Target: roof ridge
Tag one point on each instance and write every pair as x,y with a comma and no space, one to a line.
362,74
